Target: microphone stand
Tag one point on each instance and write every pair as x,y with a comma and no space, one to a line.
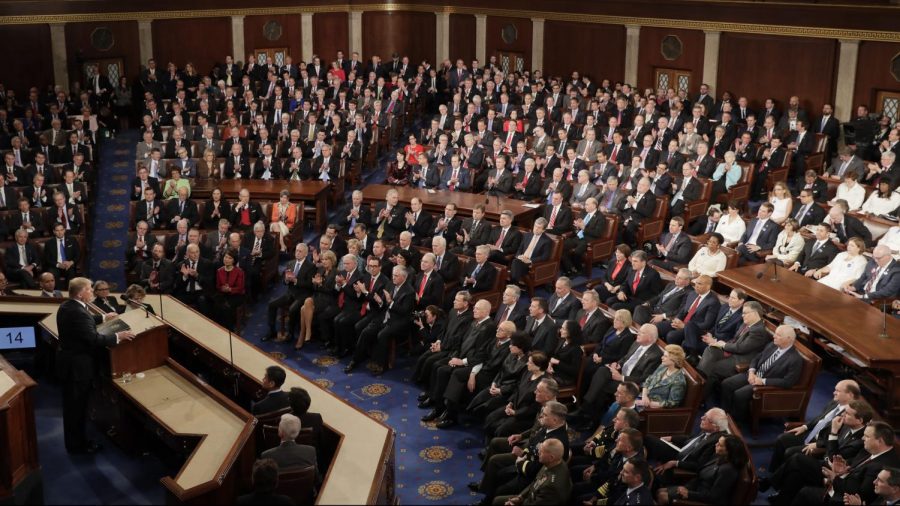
234,373
884,334
774,271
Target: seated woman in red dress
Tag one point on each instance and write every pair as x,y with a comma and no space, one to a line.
412,150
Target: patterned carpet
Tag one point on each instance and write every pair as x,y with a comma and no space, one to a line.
110,227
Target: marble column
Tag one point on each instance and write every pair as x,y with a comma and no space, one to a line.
537,43
237,38
145,41
480,38
711,59
306,36
355,33
632,46
846,79
442,37
58,46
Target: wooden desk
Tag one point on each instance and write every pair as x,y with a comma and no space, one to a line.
523,215
19,466
838,317
312,191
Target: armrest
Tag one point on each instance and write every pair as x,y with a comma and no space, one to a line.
740,368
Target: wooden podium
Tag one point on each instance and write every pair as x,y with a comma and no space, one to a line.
20,477
149,349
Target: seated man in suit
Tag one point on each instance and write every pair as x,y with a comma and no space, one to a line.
634,209
289,455
722,355
504,239
473,232
778,365
388,219
699,312
417,222
846,161
761,235
426,175
817,187
667,302
880,280
353,213
455,177
563,304
509,308
641,283
846,226
583,190
28,220
22,263
195,279
588,227
817,252
854,481
641,359
807,211
65,213
275,399
528,182
674,247
157,273
500,180
265,481
182,208
300,404
535,247
479,275
558,215
695,451
47,284
540,326
61,254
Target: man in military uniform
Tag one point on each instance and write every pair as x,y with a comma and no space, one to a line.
552,484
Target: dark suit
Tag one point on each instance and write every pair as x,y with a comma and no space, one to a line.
165,276
813,215
72,253
187,210
34,217
242,166
574,247
79,342
563,221
474,350
273,401
678,253
691,193
633,216
783,373
544,336
888,284
291,455
666,302
432,293
14,270
431,180
510,244
541,252
816,258
602,386
766,239
565,309
421,230
393,224
648,285
478,235
724,329
378,333
517,315
800,469
852,227
859,480
346,222
296,294
702,320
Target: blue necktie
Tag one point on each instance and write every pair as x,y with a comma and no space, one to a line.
62,251
587,219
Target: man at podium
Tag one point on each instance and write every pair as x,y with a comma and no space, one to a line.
79,340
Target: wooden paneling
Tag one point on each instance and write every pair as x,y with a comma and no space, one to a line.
650,56
598,50
330,35
33,66
255,37
760,66
125,46
462,37
873,71
203,41
494,43
406,33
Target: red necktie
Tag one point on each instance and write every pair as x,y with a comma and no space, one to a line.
637,281
500,239
692,309
583,320
615,151
422,284
552,218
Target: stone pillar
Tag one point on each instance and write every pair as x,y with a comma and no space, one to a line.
237,38
846,79
711,60
442,37
145,39
632,46
306,36
537,43
355,33
480,38
58,47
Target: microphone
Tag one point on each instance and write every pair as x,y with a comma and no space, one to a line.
759,275
145,307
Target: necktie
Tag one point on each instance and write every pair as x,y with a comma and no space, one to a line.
422,284
2,197
768,363
726,317
636,282
62,250
692,309
531,245
871,283
826,420
632,360
583,320
476,270
499,242
23,256
668,294
438,262
688,448
587,219
710,226
535,326
552,221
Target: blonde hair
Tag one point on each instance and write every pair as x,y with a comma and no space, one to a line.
676,353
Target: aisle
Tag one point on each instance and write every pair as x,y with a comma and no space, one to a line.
110,225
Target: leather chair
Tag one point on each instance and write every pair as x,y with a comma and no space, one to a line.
299,484
600,250
772,402
652,227
267,429
697,208
546,272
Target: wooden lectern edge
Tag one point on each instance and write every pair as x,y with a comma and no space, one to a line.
22,382
245,435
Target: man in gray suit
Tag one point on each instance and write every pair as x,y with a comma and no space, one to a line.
289,454
582,190
720,357
845,163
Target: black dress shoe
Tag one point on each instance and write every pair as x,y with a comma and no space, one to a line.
474,486
422,396
427,403
432,415
350,367
446,422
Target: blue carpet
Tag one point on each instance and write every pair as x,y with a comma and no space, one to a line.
110,227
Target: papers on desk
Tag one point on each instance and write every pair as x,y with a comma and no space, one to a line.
532,205
840,349
111,327
797,324
431,190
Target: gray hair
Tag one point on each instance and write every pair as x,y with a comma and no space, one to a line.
551,385
719,418
289,427
557,409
